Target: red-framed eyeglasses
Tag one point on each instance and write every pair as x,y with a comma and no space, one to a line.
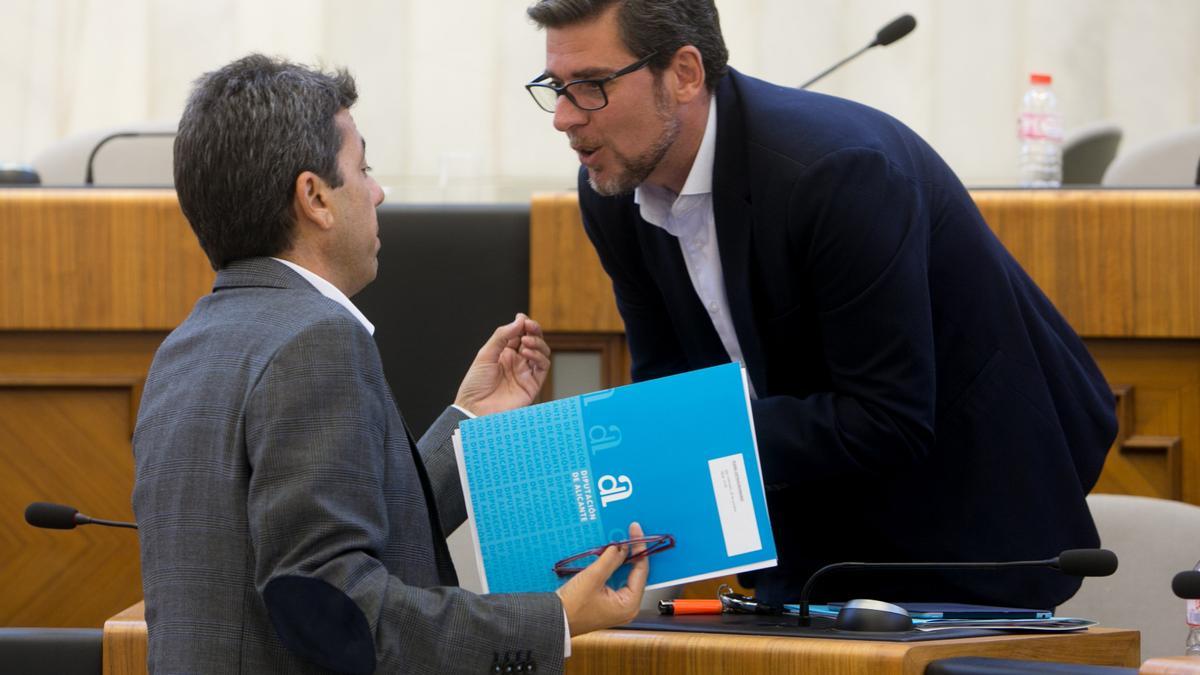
577,563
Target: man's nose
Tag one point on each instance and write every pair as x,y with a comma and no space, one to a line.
567,115
378,195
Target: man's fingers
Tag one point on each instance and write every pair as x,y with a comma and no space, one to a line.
641,568
608,562
635,532
538,358
531,327
508,335
638,575
535,343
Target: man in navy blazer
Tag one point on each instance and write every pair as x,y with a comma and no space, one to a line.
916,396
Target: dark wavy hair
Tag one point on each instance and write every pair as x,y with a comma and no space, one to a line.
646,26
249,129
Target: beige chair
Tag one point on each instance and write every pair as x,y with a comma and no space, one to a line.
1153,539
131,155
1088,151
1167,161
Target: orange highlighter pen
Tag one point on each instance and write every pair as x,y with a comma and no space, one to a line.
681,607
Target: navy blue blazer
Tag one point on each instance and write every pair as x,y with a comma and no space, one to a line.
919,398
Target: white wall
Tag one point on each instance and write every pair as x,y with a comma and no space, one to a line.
440,82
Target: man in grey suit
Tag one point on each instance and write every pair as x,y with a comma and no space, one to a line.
288,521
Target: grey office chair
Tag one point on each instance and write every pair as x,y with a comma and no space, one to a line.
51,651
130,155
1168,161
1088,151
1154,539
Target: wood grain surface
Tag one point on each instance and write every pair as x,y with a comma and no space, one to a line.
68,402
125,645
93,281
616,652
97,260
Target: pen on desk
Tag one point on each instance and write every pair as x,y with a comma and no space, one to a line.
681,607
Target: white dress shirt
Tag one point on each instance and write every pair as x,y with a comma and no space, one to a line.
689,217
330,291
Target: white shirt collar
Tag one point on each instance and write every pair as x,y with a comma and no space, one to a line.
330,291
656,202
699,180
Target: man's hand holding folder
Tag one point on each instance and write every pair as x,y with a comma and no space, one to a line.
591,604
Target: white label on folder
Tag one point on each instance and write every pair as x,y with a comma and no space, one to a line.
732,490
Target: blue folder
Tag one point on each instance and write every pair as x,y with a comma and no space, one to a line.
676,454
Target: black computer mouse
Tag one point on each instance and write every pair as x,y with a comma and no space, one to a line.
873,616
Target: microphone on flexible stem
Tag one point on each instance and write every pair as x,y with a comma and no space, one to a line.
1187,585
63,517
898,28
89,176
1079,562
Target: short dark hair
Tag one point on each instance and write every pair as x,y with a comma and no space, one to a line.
248,130
646,26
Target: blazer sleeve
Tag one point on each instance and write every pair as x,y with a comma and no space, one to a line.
315,427
437,452
858,232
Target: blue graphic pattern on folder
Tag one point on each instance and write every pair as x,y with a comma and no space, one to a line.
675,454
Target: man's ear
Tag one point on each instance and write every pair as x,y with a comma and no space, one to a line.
687,67
311,201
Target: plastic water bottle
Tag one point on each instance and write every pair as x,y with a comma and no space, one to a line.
1041,133
1193,619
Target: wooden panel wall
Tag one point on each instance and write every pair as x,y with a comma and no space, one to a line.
97,260
1123,267
1116,263
92,283
568,289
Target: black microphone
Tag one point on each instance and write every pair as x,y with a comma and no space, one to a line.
1078,562
88,178
1086,562
898,28
1187,585
62,517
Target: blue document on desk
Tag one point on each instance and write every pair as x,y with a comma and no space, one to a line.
677,455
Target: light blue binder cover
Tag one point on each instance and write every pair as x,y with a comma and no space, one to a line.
677,455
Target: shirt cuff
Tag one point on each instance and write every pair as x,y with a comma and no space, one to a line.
566,637
470,415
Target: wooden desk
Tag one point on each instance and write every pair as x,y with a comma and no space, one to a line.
1123,266
91,281
125,646
647,652
643,652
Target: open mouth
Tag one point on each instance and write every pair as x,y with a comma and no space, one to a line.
586,152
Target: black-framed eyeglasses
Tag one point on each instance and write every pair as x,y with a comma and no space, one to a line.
586,94
576,563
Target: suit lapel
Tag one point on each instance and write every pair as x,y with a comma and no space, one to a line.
735,227
447,575
701,338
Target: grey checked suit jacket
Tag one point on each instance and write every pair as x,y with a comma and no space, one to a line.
286,524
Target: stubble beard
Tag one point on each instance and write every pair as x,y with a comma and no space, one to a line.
633,171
